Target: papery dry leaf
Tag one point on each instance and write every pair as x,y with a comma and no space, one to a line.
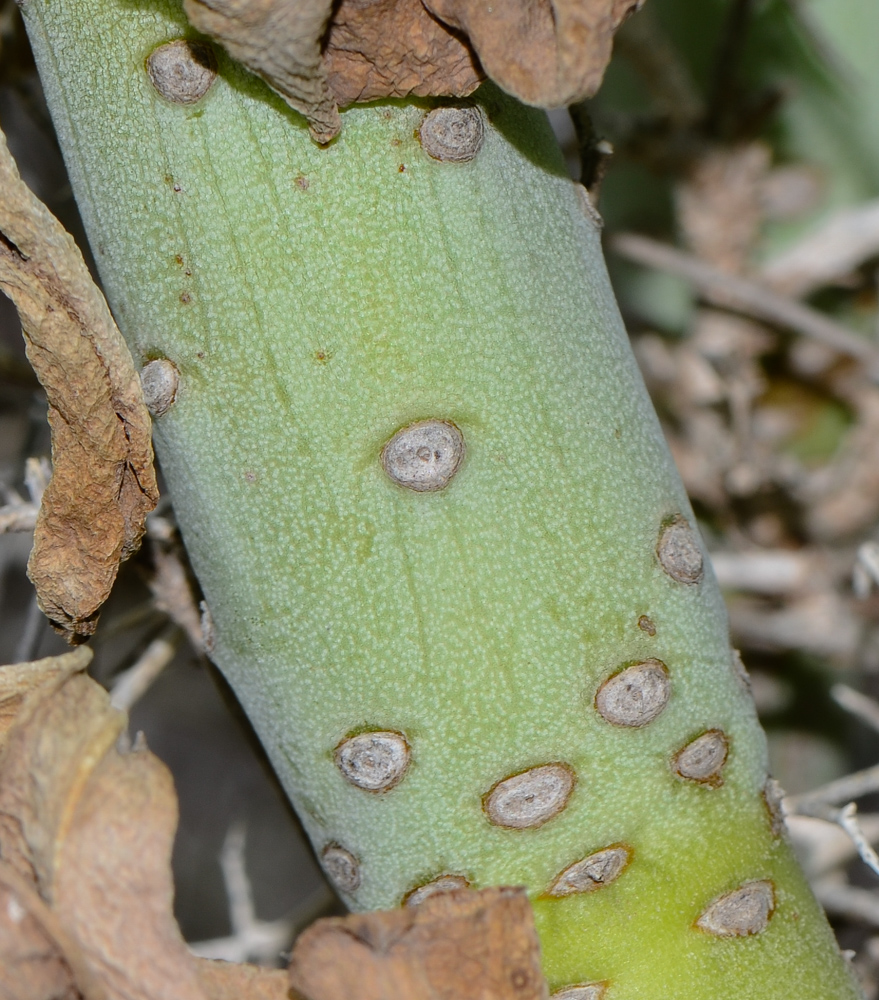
93,829
112,886
235,981
545,52
18,679
460,945
103,482
393,48
33,965
280,41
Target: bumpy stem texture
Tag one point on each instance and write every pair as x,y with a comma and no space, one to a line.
450,570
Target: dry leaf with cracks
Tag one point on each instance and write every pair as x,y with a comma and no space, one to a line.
317,55
85,836
103,483
460,945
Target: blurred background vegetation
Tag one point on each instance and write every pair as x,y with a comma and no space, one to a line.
740,140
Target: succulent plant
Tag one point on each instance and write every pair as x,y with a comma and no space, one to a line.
448,565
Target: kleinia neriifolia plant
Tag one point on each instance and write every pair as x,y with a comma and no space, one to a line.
447,562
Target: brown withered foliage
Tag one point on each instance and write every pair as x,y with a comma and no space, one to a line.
86,829
460,945
318,55
103,483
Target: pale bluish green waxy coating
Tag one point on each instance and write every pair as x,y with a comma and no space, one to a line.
316,301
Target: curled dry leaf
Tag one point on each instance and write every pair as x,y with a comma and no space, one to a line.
17,680
85,836
33,963
103,483
545,52
427,951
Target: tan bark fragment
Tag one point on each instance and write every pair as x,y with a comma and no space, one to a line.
103,483
545,52
463,945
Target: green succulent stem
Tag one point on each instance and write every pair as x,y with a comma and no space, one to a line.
492,679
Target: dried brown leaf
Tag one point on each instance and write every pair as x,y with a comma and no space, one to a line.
234,981
460,945
112,885
92,828
545,52
103,483
33,964
280,41
720,206
393,48
17,680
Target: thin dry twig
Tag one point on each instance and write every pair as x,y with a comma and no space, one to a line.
852,786
839,245
21,515
847,819
862,707
252,939
134,682
844,900
744,295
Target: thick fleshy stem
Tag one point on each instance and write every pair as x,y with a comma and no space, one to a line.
451,572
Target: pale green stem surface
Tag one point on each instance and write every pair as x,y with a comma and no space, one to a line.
317,300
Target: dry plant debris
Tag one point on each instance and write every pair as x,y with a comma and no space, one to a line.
318,55
103,483
459,945
86,828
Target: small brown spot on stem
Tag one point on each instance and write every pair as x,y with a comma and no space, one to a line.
159,380
444,883
702,759
342,868
374,762
424,456
679,551
531,798
301,182
453,135
185,298
592,872
646,625
740,913
182,71
581,991
636,695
